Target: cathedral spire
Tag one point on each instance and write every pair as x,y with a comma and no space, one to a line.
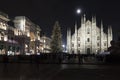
108,30
110,37
84,18
94,19
75,25
101,25
101,34
69,40
75,37
111,31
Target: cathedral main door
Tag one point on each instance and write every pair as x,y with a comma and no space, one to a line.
88,50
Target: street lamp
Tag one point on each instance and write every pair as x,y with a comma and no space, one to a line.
63,46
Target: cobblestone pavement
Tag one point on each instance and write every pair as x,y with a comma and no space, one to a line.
29,71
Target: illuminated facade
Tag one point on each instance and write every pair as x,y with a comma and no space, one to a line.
89,38
3,32
22,38
29,33
45,44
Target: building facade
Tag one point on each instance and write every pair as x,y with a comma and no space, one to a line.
22,38
3,32
88,38
45,44
29,32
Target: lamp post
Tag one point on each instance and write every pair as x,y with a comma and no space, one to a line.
63,46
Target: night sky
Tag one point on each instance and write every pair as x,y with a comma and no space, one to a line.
46,12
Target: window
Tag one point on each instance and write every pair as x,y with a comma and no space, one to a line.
88,31
98,38
78,51
88,39
72,45
88,50
1,47
18,49
104,44
9,48
98,44
78,45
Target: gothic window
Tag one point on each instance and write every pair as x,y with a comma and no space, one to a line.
72,45
78,45
88,31
104,44
98,44
88,39
88,50
98,38
78,38
78,51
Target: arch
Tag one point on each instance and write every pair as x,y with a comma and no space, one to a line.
98,37
78,51
88,39
88,50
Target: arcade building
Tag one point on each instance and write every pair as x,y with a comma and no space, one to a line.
23,37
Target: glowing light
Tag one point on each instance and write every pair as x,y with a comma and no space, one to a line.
37,47
42,48
27,53
38,53
26,45
44,41
10,53
5,38
63,46
78,11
